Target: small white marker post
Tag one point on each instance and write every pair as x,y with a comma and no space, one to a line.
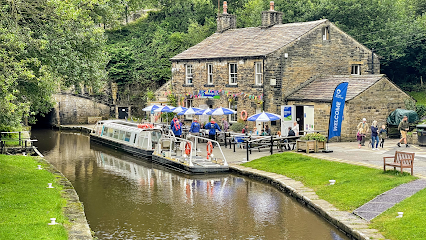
400,214
244,159
49,185
39,167
332,182
52,221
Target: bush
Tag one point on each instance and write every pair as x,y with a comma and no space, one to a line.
314,136
421,110
237,127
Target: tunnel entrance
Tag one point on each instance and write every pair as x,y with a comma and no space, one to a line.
45,121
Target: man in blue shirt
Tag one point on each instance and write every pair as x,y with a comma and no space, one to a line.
212,125
195,128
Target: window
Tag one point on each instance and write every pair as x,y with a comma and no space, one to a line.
189,74
209,74
233,106
356,69
258,73
232,73
325,33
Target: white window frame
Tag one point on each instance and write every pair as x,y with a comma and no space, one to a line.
189,74
258,73
233,76
356,69
188,104
210,74
234,106
326,34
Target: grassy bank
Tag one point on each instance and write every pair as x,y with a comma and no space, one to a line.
355,185
411,226
419,96
26,205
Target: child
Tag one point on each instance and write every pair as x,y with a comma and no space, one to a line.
383,134
359,136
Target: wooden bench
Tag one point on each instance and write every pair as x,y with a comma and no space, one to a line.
401,160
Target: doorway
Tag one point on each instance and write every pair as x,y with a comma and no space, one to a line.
300,119
123,112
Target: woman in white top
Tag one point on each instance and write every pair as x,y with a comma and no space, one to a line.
296,128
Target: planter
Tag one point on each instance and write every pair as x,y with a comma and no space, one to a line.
320,145
306,145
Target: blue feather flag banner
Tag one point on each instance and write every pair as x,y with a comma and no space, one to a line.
337,106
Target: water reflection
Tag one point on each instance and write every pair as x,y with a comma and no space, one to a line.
128,198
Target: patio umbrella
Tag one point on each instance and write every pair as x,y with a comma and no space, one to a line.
203,111
264,117
190,111
221,111
164,109
150,108
179,109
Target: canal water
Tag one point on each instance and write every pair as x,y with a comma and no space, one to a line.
129,198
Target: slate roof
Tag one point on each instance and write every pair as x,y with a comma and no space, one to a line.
322,88
247,42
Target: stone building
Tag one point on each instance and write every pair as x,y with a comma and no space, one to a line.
274,65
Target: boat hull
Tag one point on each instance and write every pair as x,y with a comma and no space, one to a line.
181,167
123,147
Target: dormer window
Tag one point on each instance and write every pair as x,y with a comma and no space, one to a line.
189,74
356,69
326,33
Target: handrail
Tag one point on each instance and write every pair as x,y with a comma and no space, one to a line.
225,163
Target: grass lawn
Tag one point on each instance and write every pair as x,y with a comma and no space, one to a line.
26,205
355,185
411,226
419,96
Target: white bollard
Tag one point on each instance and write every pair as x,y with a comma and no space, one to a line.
332,182
39,167
52,221
49,185
400,214
244,159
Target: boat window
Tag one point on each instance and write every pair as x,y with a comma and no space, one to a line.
127,137
116,133
105,131
155,136
121,135
110,132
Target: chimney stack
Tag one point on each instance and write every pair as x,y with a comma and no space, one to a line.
271,17
226,21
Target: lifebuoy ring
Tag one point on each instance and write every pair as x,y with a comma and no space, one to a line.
187,148
243,115
279,133
209,149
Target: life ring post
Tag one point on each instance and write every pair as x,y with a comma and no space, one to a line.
243,115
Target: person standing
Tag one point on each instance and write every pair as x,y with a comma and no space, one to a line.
195,128
403,128
212,125
359,136
374,135
383,134
364,127
295,128
225,124
177,128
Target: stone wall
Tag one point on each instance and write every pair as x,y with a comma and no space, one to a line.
71,109
376,103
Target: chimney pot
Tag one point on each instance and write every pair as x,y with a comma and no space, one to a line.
225,7
271,6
